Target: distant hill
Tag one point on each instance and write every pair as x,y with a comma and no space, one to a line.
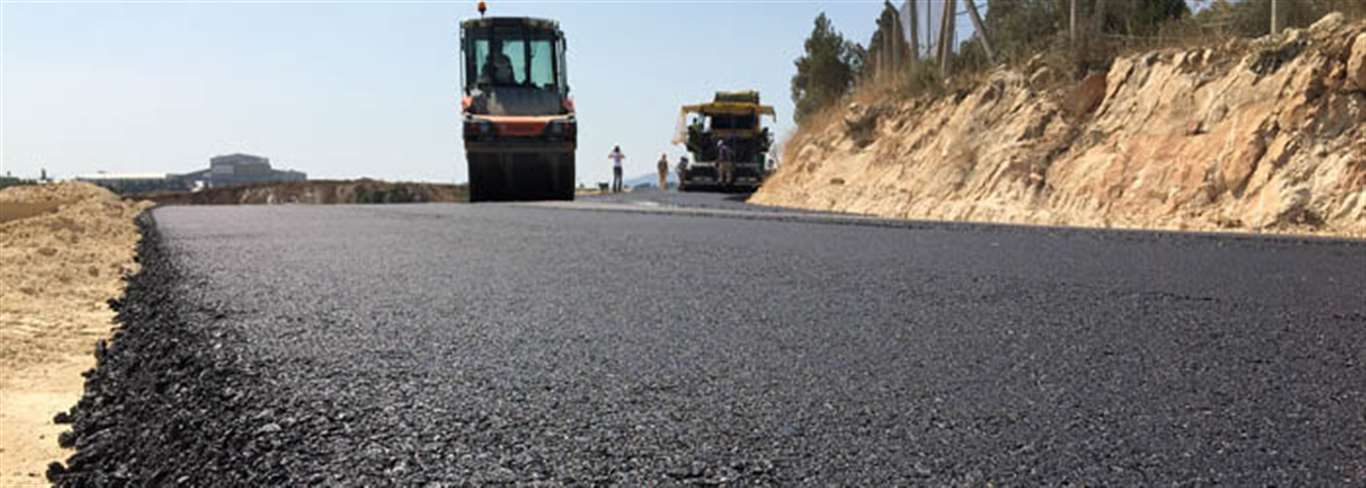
651,179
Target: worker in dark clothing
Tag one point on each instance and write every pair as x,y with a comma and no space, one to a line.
617,157
497,68
682,171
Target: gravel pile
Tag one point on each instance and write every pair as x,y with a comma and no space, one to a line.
163,406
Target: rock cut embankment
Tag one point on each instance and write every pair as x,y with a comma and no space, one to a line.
1263,135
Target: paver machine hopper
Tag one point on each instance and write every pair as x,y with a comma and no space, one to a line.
519,127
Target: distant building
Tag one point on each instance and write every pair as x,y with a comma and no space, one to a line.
239,169
224,171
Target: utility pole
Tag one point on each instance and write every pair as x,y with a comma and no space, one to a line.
946,37
1072,22
915,35
898,40
932,49
1275,20
887,47
888,55
895,39
939,43
1098,17
981,29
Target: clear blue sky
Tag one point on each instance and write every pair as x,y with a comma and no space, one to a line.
344,90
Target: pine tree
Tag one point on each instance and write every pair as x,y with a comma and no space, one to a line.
826,70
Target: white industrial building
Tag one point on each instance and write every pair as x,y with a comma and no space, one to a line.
224,171
239,169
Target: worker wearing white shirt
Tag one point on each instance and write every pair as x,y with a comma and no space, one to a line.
617,157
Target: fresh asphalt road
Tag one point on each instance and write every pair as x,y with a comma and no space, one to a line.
451,344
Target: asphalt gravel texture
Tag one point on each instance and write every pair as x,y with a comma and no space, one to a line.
446,345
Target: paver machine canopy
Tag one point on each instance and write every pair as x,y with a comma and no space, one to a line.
519,127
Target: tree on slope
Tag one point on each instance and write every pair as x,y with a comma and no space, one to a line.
826,70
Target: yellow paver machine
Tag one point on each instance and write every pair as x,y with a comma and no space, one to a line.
726,131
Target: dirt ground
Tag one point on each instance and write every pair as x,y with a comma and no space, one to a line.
63,251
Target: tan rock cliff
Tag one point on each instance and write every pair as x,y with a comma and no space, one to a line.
1263,135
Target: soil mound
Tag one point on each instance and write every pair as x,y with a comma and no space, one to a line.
59,268
64,249
57,192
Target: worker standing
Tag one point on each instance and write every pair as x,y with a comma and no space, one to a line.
616,156
682,171
663,167
725,164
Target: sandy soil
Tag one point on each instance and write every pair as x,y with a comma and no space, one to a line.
63,251
29,397
22,210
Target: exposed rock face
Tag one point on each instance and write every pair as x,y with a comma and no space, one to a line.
1264,135
1088,95
1356,66
1043,77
